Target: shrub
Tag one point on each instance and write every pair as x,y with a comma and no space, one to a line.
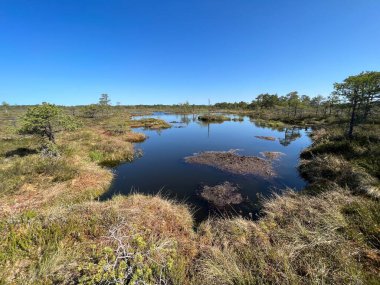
45,121
130,258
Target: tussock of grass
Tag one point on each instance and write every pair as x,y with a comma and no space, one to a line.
111,151
65,243
301,240
363,150
213,118
70,183
336,147
135,137
102,147
33,169
149,123
123,130
332,158
336,169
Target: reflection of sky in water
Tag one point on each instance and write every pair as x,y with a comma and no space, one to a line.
162,167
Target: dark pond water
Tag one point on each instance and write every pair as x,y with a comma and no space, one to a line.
162,167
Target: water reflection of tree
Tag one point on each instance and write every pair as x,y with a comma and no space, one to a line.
290,134
185,119
207,125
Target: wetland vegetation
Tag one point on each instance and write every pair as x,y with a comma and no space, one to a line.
222,195
232,162
214,118
69,216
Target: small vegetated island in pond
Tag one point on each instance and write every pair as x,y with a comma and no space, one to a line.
222,195
149,123
213,118
232,162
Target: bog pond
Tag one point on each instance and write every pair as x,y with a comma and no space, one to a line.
168,165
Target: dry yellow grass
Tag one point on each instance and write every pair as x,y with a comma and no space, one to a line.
89,183
301,240
85,178
135,137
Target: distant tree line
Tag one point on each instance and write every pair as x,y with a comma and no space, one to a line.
293,103
357,94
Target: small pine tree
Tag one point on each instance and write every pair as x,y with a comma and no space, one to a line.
104,103
104,100
45,121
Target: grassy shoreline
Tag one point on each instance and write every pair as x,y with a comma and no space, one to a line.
53,230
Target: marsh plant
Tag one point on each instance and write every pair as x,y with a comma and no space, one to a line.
130,258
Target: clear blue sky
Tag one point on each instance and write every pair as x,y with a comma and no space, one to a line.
157,51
